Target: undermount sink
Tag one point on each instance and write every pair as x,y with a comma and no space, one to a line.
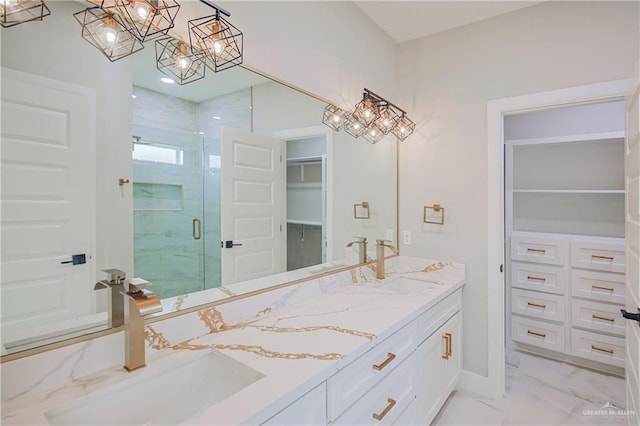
408,285
167,395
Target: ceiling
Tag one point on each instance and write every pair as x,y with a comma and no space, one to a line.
409,20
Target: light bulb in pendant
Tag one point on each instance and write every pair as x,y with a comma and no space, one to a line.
109,32
8,4
142,10
181,60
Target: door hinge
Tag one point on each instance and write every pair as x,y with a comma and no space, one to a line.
280,227
501,268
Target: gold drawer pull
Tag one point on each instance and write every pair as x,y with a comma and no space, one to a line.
594,316
599,287
536,279
543,251
390,404
596,348
537,305
390,357
447,346
534,333
597,256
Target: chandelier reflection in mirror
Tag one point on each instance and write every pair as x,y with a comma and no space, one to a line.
373,118
118,28
14,12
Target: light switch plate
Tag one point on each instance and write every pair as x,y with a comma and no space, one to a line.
389,235
406,237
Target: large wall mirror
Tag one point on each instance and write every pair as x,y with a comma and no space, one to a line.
230,184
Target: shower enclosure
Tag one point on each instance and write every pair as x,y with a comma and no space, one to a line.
176,203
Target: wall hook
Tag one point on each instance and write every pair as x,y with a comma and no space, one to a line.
122,181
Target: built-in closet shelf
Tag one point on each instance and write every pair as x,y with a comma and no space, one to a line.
304,222
569,191
569,138
305,185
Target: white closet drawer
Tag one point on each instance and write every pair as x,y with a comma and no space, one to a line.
538,333
550,279
539,305
597,316
598,255
387,401
349,384
603,286
431,320
530,248
598,347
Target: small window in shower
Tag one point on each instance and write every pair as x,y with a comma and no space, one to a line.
157,152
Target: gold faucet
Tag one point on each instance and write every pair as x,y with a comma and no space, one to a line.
380,245
142,302
362,251
115,284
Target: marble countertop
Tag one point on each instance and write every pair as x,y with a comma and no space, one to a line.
295,341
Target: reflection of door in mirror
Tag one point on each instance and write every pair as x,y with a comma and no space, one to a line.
306,202
48,181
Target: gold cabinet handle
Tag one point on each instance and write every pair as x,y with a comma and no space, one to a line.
599,287
390,403
447,345
390,357
537,250
598,256
537,305
598,317
535,333
597,348
530,278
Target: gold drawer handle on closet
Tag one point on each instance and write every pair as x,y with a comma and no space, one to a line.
543,251
596,348
535,333
447,345
598,256
530,278
599,287
390,357
537,305
598,317
390,403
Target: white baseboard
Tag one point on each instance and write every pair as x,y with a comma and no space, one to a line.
476,383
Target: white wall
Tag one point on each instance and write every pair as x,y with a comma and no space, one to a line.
445,81
53,48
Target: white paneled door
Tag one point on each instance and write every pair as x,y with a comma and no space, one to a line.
252,206
632,287
48,201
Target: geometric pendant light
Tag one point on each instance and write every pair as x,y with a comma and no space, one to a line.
146,18
14,12
178,61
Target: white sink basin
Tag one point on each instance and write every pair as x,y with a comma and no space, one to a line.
408,285
166,395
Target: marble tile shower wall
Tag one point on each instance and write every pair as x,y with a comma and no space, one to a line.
165,251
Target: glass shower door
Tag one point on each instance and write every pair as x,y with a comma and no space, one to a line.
168,210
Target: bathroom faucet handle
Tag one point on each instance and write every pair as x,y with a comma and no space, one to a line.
382,242
138,284
360,239
116,275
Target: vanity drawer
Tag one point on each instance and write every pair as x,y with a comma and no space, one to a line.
387,400
538,333
539,305
550,279
431,320
529,248
597,316
603,286
349,384
598,347
598,255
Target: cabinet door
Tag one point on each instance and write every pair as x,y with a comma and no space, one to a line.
453,363
308,410
431,394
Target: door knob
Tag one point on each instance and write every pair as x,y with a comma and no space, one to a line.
630,316
77,259
229,244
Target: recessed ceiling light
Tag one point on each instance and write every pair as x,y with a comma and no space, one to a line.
167,80
134,97
215,117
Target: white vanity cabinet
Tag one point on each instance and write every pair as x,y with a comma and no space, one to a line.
439,359
308,410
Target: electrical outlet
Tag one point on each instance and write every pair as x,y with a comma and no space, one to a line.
406,237
389,235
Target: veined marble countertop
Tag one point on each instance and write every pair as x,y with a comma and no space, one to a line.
296,337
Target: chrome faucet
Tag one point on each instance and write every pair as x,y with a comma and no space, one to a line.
115,284
362,251
142,302
380,245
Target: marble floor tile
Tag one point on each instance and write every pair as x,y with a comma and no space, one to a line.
541,392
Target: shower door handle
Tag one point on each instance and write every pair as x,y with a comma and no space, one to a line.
196,229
